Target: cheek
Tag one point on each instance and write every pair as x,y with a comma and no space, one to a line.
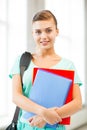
36,39
52,37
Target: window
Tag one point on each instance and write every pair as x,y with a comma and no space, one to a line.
17,35
3,55
13,40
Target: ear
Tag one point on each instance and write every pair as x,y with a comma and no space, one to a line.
57,32
32,32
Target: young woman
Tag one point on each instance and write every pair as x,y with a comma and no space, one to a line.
44,31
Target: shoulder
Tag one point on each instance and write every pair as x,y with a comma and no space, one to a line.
63,60
67,62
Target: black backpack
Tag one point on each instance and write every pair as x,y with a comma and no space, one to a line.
24,63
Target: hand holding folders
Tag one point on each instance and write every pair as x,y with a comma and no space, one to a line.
51,88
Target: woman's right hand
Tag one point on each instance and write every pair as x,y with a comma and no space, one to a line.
51,116
37,121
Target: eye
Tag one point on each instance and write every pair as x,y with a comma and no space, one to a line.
49,30
38,32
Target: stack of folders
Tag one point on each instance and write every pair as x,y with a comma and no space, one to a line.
51,88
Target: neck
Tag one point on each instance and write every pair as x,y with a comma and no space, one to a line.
44,53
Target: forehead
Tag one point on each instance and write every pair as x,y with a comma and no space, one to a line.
43,24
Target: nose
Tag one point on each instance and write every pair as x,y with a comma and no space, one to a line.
43,35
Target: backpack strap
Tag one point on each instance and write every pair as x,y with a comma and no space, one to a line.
24,63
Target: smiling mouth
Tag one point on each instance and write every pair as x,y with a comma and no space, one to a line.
44,42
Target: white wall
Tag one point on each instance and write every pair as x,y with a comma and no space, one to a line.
86,51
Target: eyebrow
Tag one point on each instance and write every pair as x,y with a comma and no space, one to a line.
45,28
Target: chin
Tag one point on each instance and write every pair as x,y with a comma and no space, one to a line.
47,47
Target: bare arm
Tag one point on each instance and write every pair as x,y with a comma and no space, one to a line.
73,106
66,110
51,116
20,100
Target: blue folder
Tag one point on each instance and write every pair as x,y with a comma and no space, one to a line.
49,90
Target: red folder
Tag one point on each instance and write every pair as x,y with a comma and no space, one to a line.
67,74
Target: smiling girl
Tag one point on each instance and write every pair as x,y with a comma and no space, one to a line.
44,31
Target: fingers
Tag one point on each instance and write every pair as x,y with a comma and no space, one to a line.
51,117
30,119
59,119
37,121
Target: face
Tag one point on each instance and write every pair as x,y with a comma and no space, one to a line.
44,33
